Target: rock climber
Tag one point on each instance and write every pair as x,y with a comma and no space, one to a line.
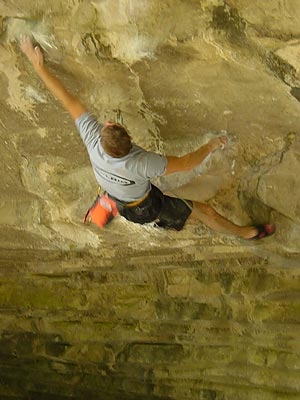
124,170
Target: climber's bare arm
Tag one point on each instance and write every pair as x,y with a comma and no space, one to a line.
70,102
195,158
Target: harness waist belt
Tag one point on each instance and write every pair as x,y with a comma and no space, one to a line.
139,201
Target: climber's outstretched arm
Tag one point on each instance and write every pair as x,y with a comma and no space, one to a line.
195,158
70,102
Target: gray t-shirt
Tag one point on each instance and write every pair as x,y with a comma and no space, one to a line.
126,178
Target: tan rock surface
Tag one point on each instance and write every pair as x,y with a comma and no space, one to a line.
133,312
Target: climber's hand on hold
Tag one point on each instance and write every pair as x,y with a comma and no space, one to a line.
33,53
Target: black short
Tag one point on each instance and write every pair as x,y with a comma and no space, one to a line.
168,212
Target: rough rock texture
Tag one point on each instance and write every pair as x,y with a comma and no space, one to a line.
133,312
192,322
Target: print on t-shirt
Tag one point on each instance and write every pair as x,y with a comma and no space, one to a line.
113,178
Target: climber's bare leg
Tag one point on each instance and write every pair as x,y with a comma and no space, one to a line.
208,216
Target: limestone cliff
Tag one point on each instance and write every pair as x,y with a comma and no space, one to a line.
133,312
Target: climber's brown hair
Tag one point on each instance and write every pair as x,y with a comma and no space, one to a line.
115,140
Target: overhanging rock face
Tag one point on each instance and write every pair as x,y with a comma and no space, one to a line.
176,73
199,321
132,312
